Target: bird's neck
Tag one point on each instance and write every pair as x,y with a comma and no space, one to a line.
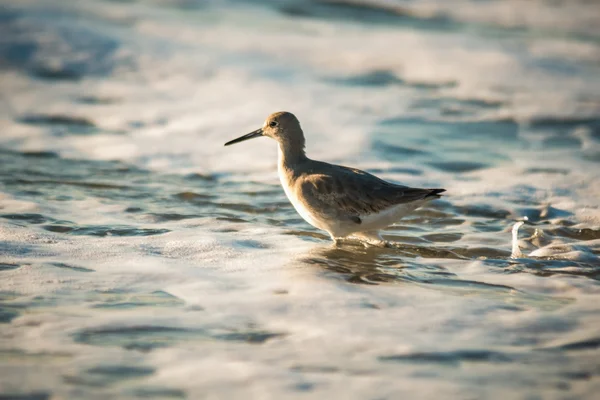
290,155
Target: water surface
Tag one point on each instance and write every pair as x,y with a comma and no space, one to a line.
141,259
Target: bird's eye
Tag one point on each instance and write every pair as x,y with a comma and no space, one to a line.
273,124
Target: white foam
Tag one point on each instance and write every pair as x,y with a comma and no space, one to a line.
220,79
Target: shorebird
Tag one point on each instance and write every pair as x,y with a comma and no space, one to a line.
345,202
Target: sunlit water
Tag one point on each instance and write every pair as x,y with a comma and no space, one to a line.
140,258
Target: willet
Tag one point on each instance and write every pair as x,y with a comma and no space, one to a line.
345,202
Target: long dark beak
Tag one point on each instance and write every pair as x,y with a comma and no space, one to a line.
250,135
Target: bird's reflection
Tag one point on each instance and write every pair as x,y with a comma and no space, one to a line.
372,265
356,264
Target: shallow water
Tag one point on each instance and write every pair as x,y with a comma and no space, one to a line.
141,259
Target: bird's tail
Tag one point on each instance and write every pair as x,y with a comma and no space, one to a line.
435,193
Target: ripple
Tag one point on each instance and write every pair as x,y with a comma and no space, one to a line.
196,198
150,392
250,208
8,266
104,230
374,78
504,130
55,73
566,125
40,154
481,211
552,266
20,355
582,234
77,50
369,13
84,184
121,371
61,124
9,310
588,344
428,251
314,235
105,375
478,252
393,152
163,217
591,155
7,314
248,337
375,265
97,100
141,337
451,358
433,85
449,106
467,284
560,142
194,177
231,219
315,369
443,237
542,213
382,77
149,337
397,170
124,300
70,267
29,218
537,170
25,396
458,166
251,244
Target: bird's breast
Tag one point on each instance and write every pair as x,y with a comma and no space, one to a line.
294,198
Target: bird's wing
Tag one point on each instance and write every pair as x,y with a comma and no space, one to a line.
354,193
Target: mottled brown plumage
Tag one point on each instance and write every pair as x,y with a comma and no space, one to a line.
354,192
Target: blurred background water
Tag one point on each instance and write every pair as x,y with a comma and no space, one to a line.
141,259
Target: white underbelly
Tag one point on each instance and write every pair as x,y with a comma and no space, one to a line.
300,208
387,217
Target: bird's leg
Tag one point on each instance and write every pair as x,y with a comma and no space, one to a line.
370,237
336,241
